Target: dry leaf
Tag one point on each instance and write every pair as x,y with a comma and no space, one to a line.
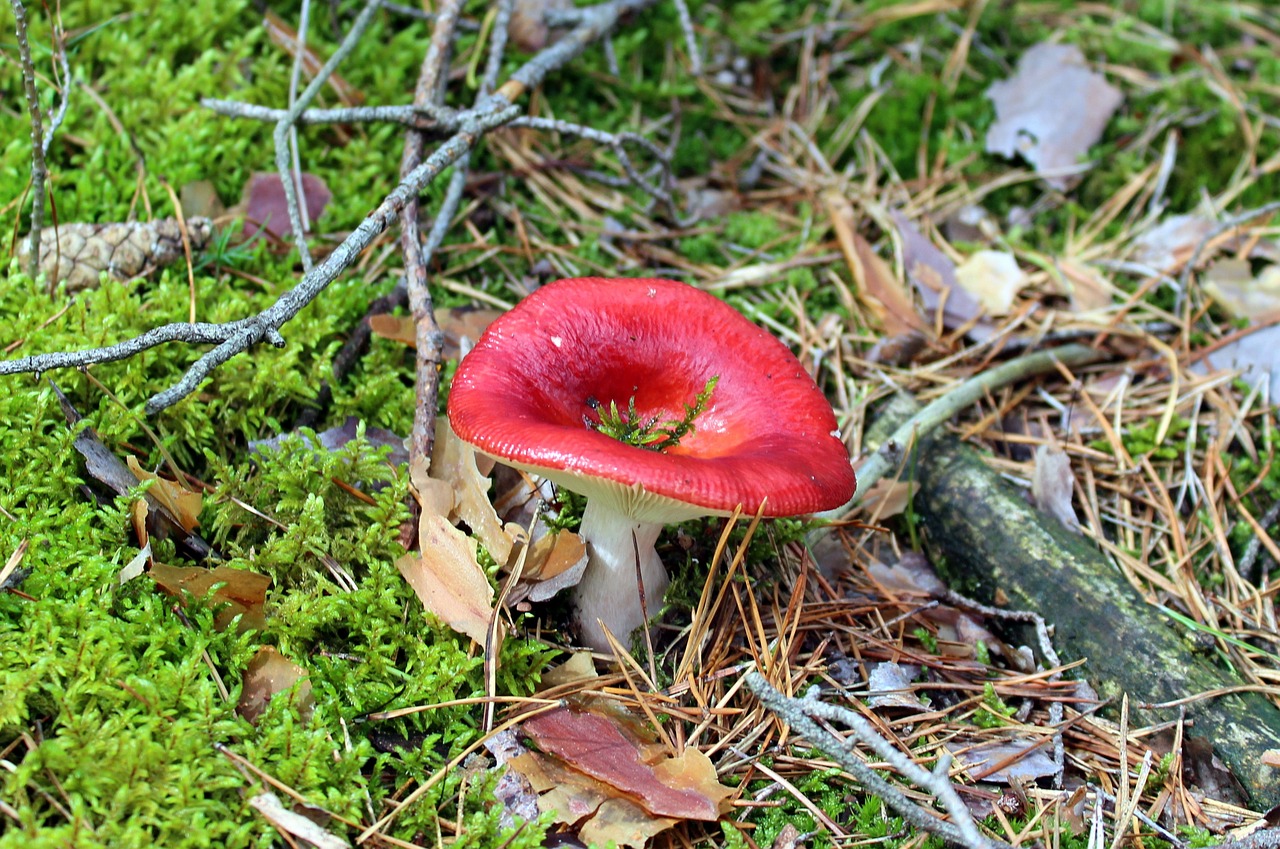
448,579
295,824
1029,760
1053,485
579,667
461,326
1256,355
912,573
137,565
397,328
77,254
895,495
184,504
555,562
789,837
1051,111
934,276
528,29
1233,286
199,199
455,461
873,279
244,592
264,202
105,468
624,823
1171,243
594,745
889,684
270,673
994,278
1089,291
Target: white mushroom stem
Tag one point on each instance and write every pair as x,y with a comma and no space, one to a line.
609,592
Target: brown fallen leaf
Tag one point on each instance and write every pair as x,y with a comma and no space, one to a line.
184,504
454,461
461,326
789,837
1089,290
199,199
270,673
243,592
105,468
934,276
1002,761
594,745
528,29
293,823
77,254
1255,354
876,284
624,823
396,328
264,204
579,667
1171,243
889,684
1051,111
444,573
887,498
555,562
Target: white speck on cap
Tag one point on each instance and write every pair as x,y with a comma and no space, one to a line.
557,341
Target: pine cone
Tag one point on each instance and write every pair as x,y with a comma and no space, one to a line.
124,250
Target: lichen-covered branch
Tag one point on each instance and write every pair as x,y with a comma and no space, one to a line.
590,24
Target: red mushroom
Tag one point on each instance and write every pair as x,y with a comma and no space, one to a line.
531,394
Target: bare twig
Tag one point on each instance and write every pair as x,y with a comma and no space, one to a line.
64,100
285,124
295,75
38,171
801,715
429,338
690,39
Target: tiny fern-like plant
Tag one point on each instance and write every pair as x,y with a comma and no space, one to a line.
653,434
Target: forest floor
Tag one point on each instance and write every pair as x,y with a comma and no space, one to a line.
909,195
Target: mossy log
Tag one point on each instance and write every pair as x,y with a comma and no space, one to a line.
987,535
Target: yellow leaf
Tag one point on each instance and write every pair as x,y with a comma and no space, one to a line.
455,461
446,576
184,504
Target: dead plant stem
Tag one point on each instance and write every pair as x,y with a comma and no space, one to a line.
38,169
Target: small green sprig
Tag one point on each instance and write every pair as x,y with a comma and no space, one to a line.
653,435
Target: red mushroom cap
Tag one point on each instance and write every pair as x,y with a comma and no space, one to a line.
768,434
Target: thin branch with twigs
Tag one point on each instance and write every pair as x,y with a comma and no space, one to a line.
236,337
